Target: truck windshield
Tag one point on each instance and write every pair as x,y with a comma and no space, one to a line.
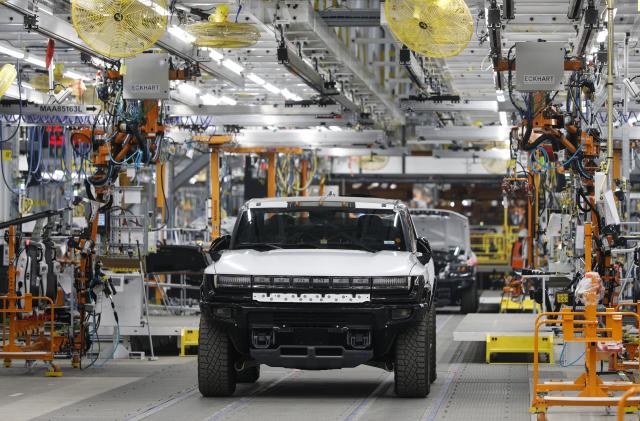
323,227
442,232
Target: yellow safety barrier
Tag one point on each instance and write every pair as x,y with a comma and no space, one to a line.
493,248
188,339
498,344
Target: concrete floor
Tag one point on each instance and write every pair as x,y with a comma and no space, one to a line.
466,389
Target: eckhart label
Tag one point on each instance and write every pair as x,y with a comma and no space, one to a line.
531,79
145,87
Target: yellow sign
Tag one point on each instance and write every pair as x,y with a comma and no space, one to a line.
6,154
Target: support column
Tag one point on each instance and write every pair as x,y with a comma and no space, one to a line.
214,180
271,175
169,193
304,168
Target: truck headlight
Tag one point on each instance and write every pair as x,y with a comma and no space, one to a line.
464,269
391,282
232,281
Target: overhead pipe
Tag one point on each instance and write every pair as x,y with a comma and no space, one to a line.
610,57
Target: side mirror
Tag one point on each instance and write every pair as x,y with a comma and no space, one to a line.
424,250
218,245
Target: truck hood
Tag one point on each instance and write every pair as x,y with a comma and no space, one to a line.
314,262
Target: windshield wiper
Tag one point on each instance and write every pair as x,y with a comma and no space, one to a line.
359,245
268,246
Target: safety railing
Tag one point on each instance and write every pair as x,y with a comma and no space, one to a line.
493,248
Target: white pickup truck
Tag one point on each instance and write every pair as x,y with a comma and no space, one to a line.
318,283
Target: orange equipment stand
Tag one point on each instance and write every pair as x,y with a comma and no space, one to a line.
593,391
24,338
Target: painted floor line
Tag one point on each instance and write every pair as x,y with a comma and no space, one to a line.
234,406
362,407
385,383
452,372
164,405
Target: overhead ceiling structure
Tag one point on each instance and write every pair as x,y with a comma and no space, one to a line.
330,63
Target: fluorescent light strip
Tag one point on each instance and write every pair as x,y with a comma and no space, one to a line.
209,99
504,121
256,79
189,89
11,52
232,65
269,87
181,34
36,61
216,55
74,75
228,101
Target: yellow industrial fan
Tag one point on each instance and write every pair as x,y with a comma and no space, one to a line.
495,165
435,28
218,32
60,82
373,162
7,75
119,28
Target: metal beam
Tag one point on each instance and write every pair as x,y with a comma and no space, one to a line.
310,138
351,17
192,168
426,134
266,115
308,23
465,105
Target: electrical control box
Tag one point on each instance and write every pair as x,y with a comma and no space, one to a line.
539,66
146,77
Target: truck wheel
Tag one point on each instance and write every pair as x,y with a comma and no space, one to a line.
216,373
248,375
412,361
433,375
470,300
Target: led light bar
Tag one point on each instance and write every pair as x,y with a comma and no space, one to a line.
232,281
397,282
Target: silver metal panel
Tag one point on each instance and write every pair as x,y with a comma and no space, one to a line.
476,327
147,77
539,66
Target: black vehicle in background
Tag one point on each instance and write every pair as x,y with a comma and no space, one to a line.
454,261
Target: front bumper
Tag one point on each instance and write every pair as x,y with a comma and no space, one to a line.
450,288
313,336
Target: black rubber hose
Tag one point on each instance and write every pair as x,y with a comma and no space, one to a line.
526,146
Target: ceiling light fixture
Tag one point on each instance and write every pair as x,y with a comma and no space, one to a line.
189,89
602,35
181,34
269,87
209,99
256,79
36,61
232,65
216,55
228,101
504,121
11,52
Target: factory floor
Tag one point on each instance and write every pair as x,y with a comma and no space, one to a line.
466,389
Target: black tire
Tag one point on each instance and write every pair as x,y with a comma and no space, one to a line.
412,361
470,300
216,372
248,375
433,374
